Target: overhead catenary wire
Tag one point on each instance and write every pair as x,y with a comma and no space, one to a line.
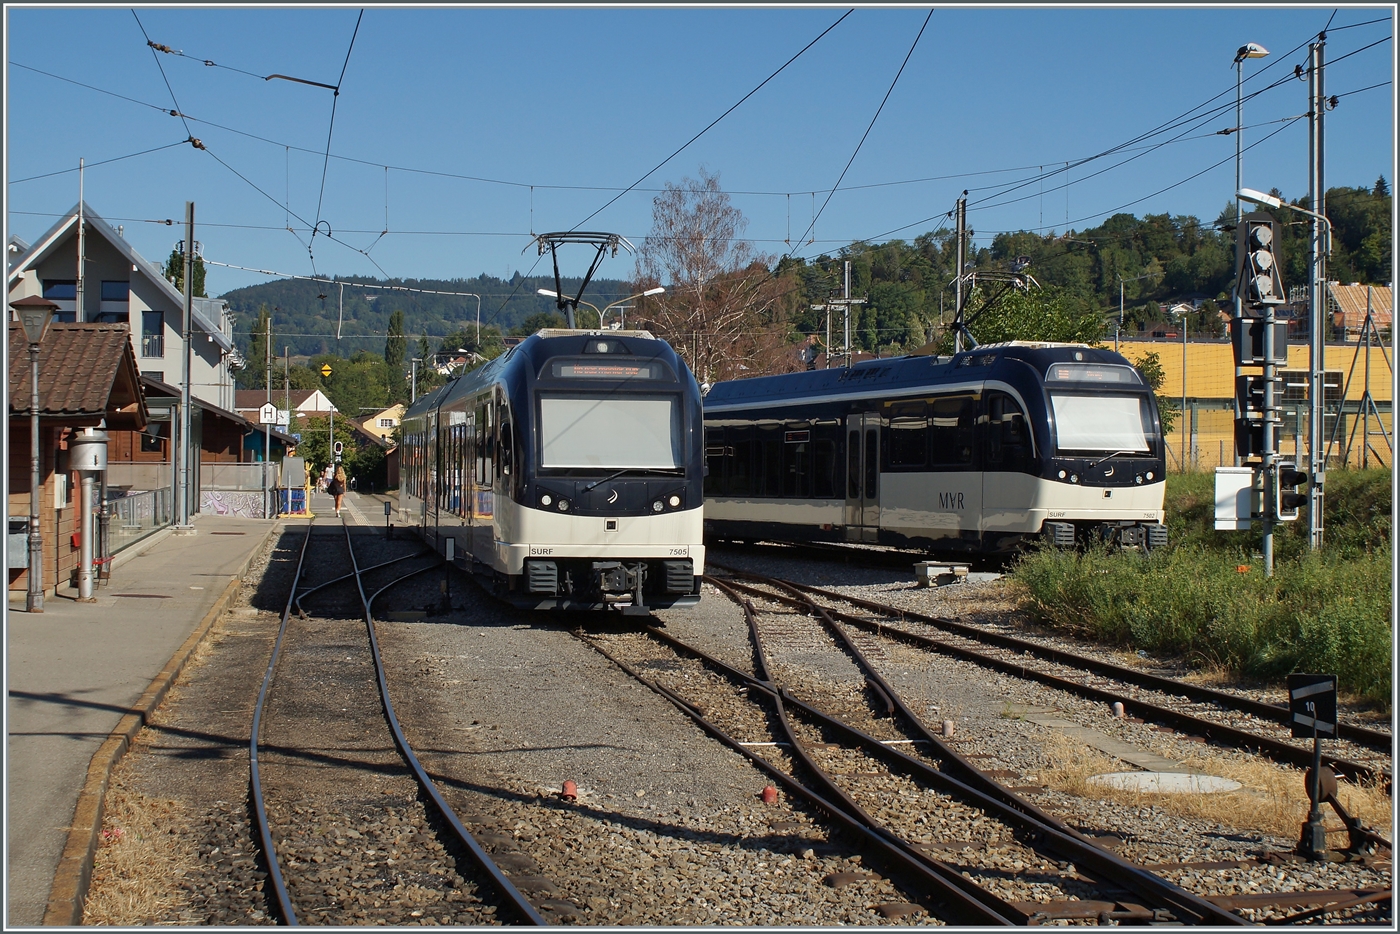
156,56
878,110
91,165
712,123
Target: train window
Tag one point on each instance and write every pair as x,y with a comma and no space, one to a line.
951,431
770,447
824,470
907,438
503,451
740,479
797,469
1007,438
853,465
715,460
610,431
1100,422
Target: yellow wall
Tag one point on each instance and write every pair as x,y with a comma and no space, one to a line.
1210,374
1210,367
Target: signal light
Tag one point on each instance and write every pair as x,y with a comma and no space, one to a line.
339,448
1290,499
1257,279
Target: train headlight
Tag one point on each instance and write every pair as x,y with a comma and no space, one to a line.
1074,478
1139,478
657,506
1149,475
546,499
674,501
1062,474
563,505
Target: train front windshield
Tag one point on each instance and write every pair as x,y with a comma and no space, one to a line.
611,432
1101,423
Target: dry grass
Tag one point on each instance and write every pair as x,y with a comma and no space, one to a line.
1272,800
140,859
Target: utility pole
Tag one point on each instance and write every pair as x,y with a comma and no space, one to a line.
962,258
1317,289
80,305
183,450
267,427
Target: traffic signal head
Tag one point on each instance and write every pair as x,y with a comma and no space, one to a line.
339,448
1257,279
1290,498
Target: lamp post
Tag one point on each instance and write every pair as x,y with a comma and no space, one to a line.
548,293
1322,247
1121,280
35,314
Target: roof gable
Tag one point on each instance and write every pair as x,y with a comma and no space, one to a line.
94,224
110,386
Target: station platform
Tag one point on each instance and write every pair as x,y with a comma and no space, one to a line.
76,670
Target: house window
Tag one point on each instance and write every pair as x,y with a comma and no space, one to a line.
116,291
150,443
153,334
1295,386
157,375
65,293
386,423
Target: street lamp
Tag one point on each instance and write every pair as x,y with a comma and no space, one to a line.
602,311
1248,50
1121,280
35,314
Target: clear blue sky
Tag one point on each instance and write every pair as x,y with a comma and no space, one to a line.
595,97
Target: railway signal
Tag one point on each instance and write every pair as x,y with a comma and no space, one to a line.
1258,340
1289,499
1312,704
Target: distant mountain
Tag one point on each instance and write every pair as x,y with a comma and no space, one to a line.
305,314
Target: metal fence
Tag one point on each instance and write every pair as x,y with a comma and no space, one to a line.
246,477
134,517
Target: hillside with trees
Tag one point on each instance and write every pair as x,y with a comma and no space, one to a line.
732,311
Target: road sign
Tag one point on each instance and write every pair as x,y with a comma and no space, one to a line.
325,369
267,414
1312,705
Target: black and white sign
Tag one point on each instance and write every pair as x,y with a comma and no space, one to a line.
1312,703
268,414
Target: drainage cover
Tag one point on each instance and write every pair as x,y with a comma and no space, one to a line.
1167,783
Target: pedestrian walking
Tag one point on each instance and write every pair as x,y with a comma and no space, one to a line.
337,487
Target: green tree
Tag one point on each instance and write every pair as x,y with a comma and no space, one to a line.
175,272
1150,366
254,373
395,345
538,321
1047,314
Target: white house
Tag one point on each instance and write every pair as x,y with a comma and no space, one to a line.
121,286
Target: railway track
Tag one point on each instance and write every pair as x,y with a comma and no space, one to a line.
1005,855
1190,709
369,773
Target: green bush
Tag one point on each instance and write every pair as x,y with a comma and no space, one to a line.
1326,611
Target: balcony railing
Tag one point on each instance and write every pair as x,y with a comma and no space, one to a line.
153,345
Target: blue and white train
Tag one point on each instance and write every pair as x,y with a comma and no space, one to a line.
567,473
976,453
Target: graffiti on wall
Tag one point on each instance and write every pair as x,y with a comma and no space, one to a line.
243,505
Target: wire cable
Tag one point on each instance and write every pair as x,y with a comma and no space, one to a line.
741,100
92,165
878,111
156,57
335,98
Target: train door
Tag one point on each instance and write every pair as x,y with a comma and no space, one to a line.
862,477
